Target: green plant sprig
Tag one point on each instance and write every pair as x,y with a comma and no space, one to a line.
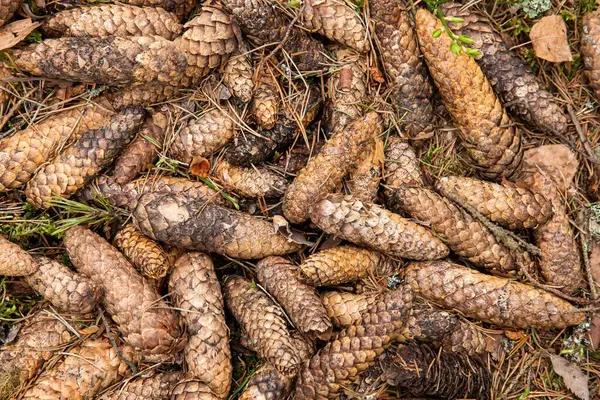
459,42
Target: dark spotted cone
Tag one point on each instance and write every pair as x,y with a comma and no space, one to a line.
237,75
63,288
279,277
492,140
83,372
363,182
14,261
196,293
344,264
145,254
264,324
511,77
156,387
7,9
143,318
324,172
590,49
515,208
325,375
263,24
495,300
196,225
113,20
405,70
265,104
250,182
372,226
73,168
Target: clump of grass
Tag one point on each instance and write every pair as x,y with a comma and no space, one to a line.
72,213
9,382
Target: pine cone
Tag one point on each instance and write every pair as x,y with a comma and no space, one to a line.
402,167
490,299
169,5
493,142
515,208
196,292
146,321
511,77
14,261
83,373
96,149
203,136
336,21
325,171
590,49
265,104
363,183
372,226
196,225
467,338
145,95
157,387
63,288
250,182
7,9
147,256
4,95
405,70
343,264
278,277
345,308
264,324
112,20
192,390
237,75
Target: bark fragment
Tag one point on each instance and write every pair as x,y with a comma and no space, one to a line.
146,255
250,182
14,261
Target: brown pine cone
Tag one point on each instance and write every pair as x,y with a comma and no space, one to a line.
145,320
141,153
194,224
279,277
63,288
265,104
37,341
402,168
14,261
157,387
7,9
515,208
363,182
372,226
499,301
467,338
237,75
250,182
336,21
324,172
345,308
96,149
511,77
493,142
264,324
203,136
264,25
196,293
145,95
405,70
343,264
5,95
590,49
84,372
169,5
112,20
147,256
192,390
423,371
354,349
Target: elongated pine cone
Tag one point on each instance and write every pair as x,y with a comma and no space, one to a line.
144,95
7,9
345,308
492,140
147,256
237,75
363,182
196,293
14,261
196,225
191,389
250,182
264,324
590,49
83,373
63,288
499,301
324,172
265,104
402,168
354,349
202,136
113,20
375,227
145,320
279,277
343,264
169,5
515,208
74,167
511,77
423,372
157,387
401,58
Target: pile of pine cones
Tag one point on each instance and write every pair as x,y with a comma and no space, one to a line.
228,95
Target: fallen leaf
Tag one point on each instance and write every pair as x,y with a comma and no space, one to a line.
549,38
377,75
200,166
556,160
90,330
595,332
515,335
13,33
282,226
575,380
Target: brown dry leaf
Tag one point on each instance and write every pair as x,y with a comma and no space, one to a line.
594,331
575,380
90,330
200,166
556,160
549,37
282,226
514,335
13,33
377,75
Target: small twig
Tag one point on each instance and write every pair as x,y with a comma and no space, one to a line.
131,366
585,248
586,144
285,38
